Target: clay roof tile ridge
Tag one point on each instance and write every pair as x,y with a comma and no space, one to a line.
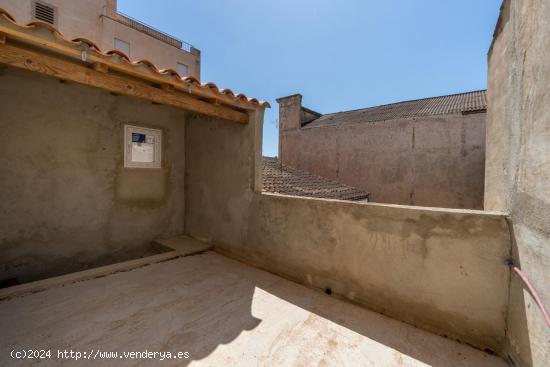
125,58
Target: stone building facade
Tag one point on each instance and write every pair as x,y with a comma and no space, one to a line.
427,152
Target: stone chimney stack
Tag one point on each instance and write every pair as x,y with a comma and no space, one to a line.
290,110
292,116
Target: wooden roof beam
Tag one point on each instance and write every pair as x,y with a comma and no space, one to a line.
75,71
93,57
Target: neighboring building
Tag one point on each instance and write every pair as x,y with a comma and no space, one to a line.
100,22
281,179
427,152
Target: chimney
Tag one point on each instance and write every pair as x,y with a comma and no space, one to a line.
290,108
292,116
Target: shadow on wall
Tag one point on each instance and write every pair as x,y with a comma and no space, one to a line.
201,303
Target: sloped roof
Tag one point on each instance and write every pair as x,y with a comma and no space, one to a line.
49,37
289,181
455,103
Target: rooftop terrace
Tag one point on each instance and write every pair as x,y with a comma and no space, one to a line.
222,312
275,279
147,29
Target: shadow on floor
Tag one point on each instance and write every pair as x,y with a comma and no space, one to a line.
221,312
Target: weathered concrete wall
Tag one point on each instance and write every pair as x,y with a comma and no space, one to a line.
518,163
429,161
438,269
223,170
67,201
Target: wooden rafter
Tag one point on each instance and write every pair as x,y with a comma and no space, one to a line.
92,58
15,55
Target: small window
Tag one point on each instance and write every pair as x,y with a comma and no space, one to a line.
44,12
182,69
122,46
142,147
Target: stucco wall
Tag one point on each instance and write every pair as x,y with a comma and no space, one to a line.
83,19
142,46
442,270
429,161
67,201
518,163
75,18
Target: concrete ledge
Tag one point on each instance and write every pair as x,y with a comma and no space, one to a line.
438,269
410,208
181,246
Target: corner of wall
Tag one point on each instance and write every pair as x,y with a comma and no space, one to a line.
257,122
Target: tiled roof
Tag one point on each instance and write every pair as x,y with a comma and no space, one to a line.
455,103
49,33
289,181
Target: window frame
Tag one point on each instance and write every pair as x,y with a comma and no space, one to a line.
186,68
115,39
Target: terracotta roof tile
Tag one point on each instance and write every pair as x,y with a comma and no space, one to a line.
192,80
282,179
211,86
124,56
241,97
88,42
149,64
48,31
228,92
455,103
7,15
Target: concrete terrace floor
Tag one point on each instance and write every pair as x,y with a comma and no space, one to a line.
224,313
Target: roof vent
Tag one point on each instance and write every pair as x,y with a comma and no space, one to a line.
44,12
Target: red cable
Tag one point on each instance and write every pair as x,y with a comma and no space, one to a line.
533,293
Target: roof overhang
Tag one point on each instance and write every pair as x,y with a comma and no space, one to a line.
39,47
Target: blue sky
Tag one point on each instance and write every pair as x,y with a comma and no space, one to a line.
339,55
